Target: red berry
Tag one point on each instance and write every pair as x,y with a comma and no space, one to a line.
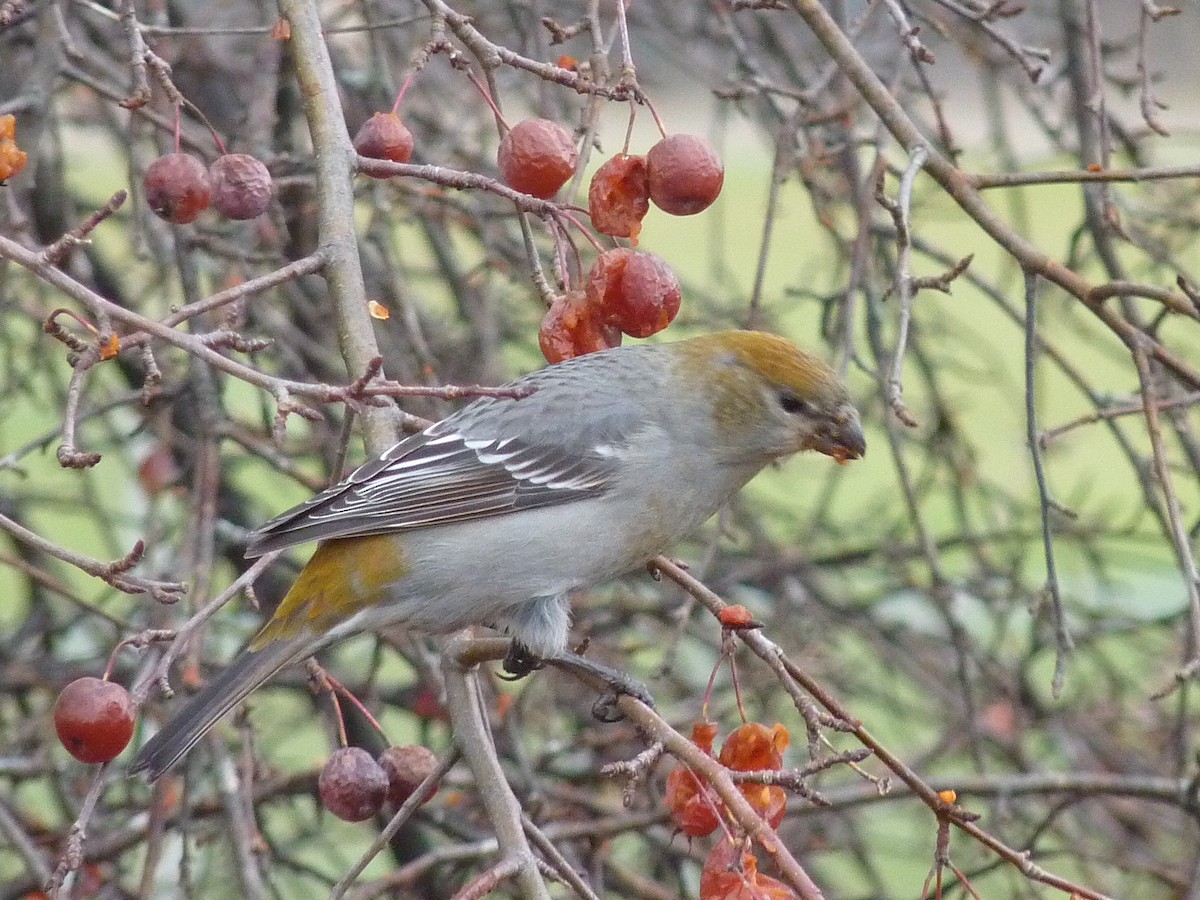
537,157
12,157
352,785
94,719
177,188
619,196
637,292
731,873
406,768
572,327
693,804
384,136
241,186
753,746
685,174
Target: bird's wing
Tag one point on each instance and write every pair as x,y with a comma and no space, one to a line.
441,476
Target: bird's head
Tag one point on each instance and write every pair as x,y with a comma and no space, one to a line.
771,399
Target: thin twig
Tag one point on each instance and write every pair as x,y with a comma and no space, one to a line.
1063,644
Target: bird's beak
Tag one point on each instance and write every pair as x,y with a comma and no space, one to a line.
842,436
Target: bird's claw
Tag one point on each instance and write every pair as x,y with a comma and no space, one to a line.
519,662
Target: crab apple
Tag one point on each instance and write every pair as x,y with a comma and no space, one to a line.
384,136
94,719
352,785
406,768
177,187
637,292
685,174
572,327
537,157
241,186
619,196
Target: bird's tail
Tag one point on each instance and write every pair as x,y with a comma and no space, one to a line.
222,694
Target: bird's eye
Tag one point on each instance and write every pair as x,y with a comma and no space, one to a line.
793,405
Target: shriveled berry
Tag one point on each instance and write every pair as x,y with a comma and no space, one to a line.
572,327
406,768
177,187
352,785
384,136
619,196
241,186
94,719
537,157
637,292
752,747
693,804
685,174
12,157
731,873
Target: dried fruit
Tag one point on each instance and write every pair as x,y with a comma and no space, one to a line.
637,292
352,785
737,617
537,157
731,873
685,174
12,157
693,804
384,136
406,768
572,327
751,748
94,719
619,196
241,186
177,187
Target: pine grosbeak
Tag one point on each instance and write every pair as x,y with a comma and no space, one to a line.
495,514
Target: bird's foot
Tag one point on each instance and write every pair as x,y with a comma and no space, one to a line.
519,662
605,708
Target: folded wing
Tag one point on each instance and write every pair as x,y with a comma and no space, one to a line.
440,477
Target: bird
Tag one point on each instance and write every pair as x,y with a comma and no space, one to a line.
580,472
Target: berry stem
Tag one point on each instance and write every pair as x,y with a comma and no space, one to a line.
488,97
199,114
343,741
629,128
586,231
403,90
338,688
662,129
737,687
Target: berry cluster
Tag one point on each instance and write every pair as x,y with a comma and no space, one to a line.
178,187
354,787
626,291
697,809
629,291
681,175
